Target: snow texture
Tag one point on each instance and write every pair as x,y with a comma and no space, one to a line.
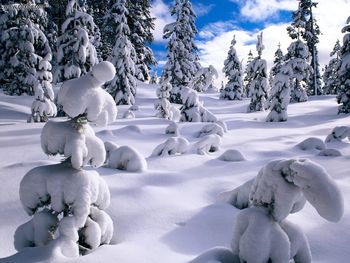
125,158
75,141
312,143
208,144
232,156
172,146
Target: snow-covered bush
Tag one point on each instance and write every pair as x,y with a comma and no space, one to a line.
129,115
204,78
216,255
173,128
172,146
134,108
67,202
192,109
233,90
154,78
261,233
163,105
330,153
211,128
208,144
222,124
338,134
312,143
124,158
232,156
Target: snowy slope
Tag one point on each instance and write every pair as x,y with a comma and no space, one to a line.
169,213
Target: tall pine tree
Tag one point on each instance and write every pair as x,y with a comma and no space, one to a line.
277,64
247,75
330,75
181,65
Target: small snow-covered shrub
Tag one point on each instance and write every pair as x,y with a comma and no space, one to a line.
129,115
208,144
312,143
222,124
172,146
211,128
232,156
338,134
126,158
134,108
238,197
172,128
330,153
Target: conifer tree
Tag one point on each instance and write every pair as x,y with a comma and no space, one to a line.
233,71
181,65
247,77
343,73
163,106
259,86
123,86
330,77
277,64
76,53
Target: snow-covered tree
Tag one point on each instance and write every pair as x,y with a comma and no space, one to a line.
65,201
154,78
22,43
297,58
247,74
76,52
204,79
180,66
280,94
123,57
343,73
330,77
163,106
233,71
277,64
259,87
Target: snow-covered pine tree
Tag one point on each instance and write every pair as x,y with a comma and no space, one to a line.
204,79
123,85
259,86
22,42
343,73
163,106
76,52
233,71
181,65
277,64
154,78
330,77
141,25
280,94
247,77
65,201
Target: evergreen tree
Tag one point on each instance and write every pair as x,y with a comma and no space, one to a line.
330,77
154,78
259,86
22,43
76,53
123,86
163,106
343,73
181,65
277,64
247,77
233,71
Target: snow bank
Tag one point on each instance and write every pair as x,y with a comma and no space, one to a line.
208,144
172,146
312,144
232,156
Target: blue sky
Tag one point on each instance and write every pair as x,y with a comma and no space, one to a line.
218,20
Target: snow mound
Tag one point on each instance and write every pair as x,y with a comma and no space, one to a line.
172,146
75,141
239,197
208,144
223,125
134,108
103,72
312,143
338,134
211,128
216,255
125,158
129,115
69,199
232,156
330,153
173,128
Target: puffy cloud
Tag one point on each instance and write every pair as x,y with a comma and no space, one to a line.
161,12
202,9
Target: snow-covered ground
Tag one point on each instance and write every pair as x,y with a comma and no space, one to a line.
170,213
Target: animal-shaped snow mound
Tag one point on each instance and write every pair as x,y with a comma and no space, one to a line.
338,134
75,141
172,146
70,200
312,144
232,156
208,144
84,96
125,158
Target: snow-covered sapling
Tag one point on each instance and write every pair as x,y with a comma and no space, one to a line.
204,78
338,134
312,143
261,232
67,202
172,146
208,144
163,105
129,115
211,128
173,128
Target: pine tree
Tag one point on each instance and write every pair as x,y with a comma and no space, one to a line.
330,77
343,73
247,77
123,86
154,78
233,71
163,106
277,64
76,53
22,44
259,86
181,65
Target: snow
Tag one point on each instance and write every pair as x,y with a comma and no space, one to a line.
211,128
338,134
169,212
172,146
208,144
232,156
312,143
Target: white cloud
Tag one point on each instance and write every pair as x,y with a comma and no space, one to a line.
160,11
331,17
202,9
